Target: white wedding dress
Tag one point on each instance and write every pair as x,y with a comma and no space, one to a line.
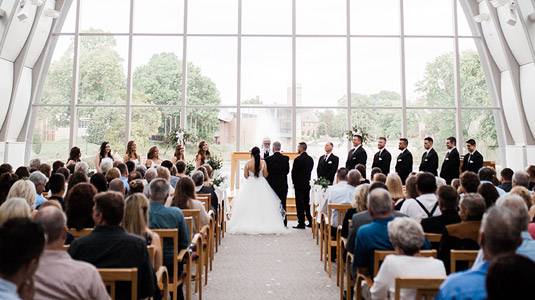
257,209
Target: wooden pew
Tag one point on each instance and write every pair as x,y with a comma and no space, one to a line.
111,276
427,287
462,255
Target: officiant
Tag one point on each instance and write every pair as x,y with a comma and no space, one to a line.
265,150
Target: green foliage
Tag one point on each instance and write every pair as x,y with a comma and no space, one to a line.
323,182
190,167
185,136
215,162
355,130
219,180
37,143
252,101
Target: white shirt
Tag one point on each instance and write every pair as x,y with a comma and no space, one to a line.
327,156
412,209
339,194
404,266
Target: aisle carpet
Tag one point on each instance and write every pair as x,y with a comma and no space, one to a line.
270,267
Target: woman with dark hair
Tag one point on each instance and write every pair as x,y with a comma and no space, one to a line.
153,157
256,209
103,152
98,180
489,193
22,172
6,182
184,198
80,206
179,154
74,156
76,178
131,153
202,154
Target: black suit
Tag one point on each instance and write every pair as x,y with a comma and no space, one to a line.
327,169
472,162
429,162
355,157
382,160
278,168
301,171
450,166
404,165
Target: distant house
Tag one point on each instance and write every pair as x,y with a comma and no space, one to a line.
309,124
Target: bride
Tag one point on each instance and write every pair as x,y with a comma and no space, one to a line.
256,209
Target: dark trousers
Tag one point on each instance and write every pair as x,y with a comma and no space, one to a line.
282,194
302,203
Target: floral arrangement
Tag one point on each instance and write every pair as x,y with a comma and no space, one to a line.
355,130
190,167
323,182
219,181
179,136
215,162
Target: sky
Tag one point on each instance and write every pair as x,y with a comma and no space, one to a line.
321,62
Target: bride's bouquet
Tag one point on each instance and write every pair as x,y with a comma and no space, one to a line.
215,162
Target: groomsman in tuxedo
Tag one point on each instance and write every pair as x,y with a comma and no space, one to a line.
301,171
404,163
278,169
429,161
357,155
265,151
382,158
473,161
450,166
328,164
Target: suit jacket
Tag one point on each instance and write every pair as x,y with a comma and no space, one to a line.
461,236
356,157
404,165
301,171
472,162
429,162
450,166
278,169
327,169
382,161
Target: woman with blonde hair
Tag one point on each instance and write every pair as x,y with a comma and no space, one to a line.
14,208
24,189
410,191
179,154
131,153
112,174
395,188
184,198
136,220
526,196
359,204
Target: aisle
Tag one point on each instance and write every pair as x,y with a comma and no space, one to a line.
270,267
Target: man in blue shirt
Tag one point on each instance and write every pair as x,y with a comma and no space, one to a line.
161,217
374,236
499,235
39,180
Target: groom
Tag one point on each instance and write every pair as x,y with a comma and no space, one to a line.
278,169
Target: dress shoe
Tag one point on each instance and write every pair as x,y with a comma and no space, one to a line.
309,225
299,227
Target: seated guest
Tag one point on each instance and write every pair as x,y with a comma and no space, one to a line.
136,222
510,277
456,183
379,177
506,180
340,183
39,180
395,188
200,188
56,165
209,173
56,183
46,169
358,205
468,183
180,169
362,169
124,175
130,166
4,168
79,208
163,173
66,173
426,204
340,194
99,182
486,175
105,165
150,175
521,178
184,198
117,185
517,206
14,208
464,235
374,236
531,173
110,246
34,164
136,186
112,174
6,182
22,172
134,175
77,178
375,171
172,173
407,238
59,276
489,193
21,244
499,235
447,202
24,189
81,167
161,217
141,169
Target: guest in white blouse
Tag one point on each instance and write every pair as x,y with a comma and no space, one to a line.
407,237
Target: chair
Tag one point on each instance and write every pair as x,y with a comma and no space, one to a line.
211,237
427,287
217,228
79,233
184,256
322,237
433,237
461,255
201,249
349,280
206,199
111,276
151,254
341,209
